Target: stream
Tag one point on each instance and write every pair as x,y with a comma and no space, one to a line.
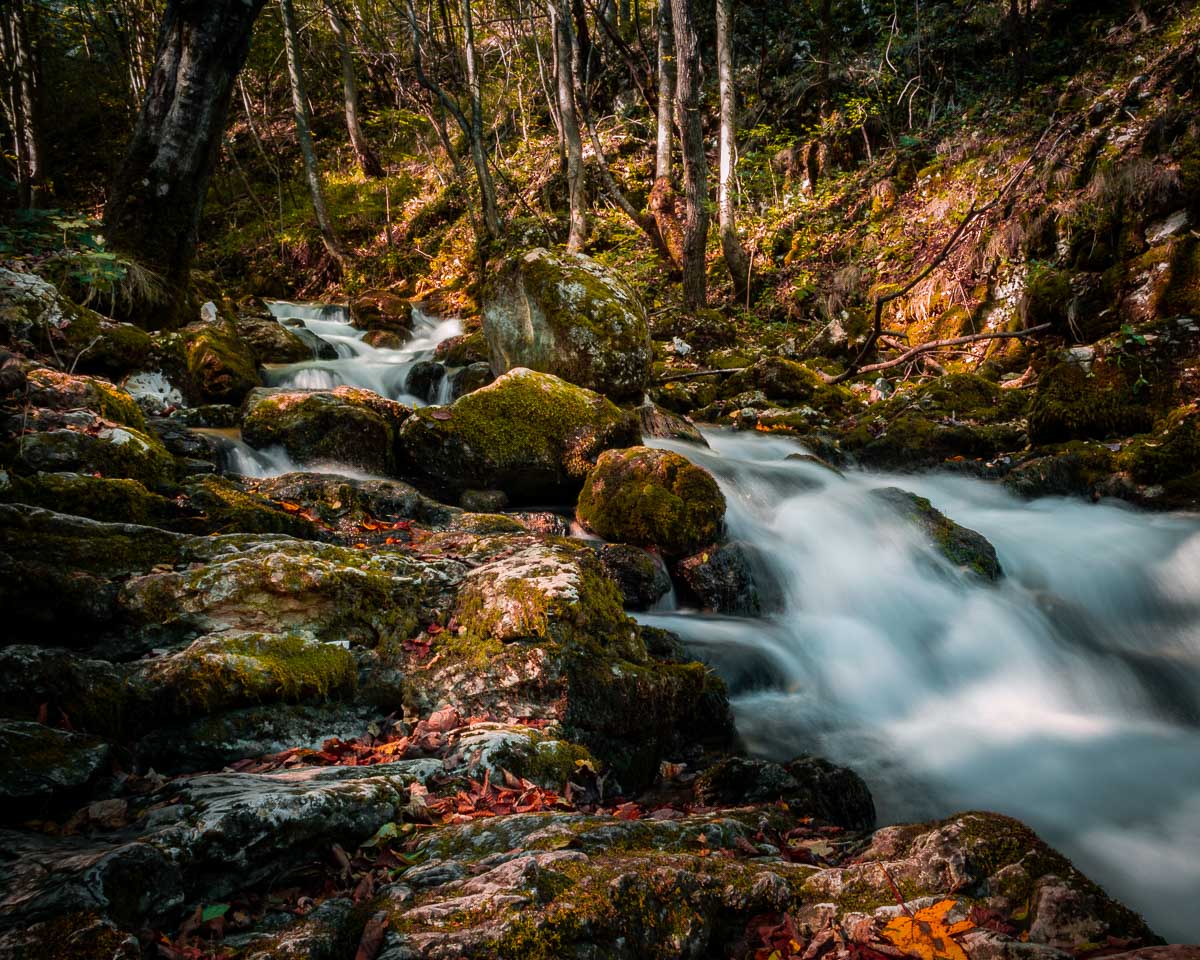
1067,695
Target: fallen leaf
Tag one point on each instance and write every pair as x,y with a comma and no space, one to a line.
927,935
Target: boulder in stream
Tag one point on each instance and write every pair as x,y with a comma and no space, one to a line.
563,313
968,550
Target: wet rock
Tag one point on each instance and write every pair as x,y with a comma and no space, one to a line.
723,579
80,441
966,549
183,442
384,339
564,314
786,382
99,498
424,380
529,434
483,501
46,765
381,310
543,522
810,786
220,505
268,340
469,379
652,498
75,934
220,365
1074,469
346,502
1071,404
93,694
660,423
463,350
344,425
641,578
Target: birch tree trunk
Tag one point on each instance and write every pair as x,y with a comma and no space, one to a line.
735,256
312,170
666,90
695,166
368,163
153,211
560,15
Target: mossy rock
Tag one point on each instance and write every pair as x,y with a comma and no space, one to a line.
240,669
966,549
642,579
652,498
1072,403
86,443
220,365
100,498
563,313
529,434
463,350
62,391
786,382
1169,457
93,694
1047,297
224,507
268,340
382,311
345,425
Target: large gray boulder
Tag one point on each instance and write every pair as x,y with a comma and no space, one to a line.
564,314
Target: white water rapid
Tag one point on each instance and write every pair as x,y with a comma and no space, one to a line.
358,364
1067,695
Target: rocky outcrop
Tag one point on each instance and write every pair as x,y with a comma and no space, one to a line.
966,549
652,498
220,365
529,434
345,425
564,314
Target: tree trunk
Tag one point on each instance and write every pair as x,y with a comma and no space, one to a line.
312,170
368,163
695,167
154,209
560,15
21,100
666,90
731,246
487,187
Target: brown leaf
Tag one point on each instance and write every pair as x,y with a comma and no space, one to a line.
372,938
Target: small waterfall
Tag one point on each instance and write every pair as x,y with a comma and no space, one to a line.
1067,695
358,364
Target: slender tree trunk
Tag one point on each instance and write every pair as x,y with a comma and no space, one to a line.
487,187
695,166
666,90
312,170
21,100
735,256
154,208
560,14
825,55
368,163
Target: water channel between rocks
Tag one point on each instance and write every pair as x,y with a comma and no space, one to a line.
1067,694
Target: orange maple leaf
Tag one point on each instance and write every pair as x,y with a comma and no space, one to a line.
927,935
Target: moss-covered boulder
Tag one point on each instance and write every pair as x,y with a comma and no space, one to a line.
538,631
239,669
221,505
345,425
382,310
45,765
966,549
84,442
529,434
665,425
35,314
953,418
1074,403
220,365
346,503
109,499
564,314
652,498
62,391
462,350
787,383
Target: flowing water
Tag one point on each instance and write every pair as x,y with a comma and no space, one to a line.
358,364
1067,695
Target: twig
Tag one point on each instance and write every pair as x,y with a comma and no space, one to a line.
701,373
75,362
941,344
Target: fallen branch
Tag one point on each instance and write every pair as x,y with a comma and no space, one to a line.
941,345
701,373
